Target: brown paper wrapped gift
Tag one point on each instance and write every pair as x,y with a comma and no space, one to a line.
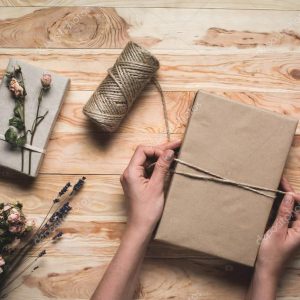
238,142
52,101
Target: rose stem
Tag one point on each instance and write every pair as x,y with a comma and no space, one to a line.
24,130
16,287
34,126
22,271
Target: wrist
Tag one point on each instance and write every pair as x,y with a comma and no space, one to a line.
266,274
139,234
141,228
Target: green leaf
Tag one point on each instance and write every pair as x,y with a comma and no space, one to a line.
19,205
21,141
17,123
11,136
18,110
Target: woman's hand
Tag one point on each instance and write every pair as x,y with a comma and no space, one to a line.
283,238
145,196
277,246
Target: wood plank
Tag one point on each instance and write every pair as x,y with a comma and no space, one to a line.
97,238
95,27
147,117
95,153
101,238
101,198
200,4
97,219
160,279
180,70
207,279
88,154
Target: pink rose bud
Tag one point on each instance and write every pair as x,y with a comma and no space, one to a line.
46,81
15,88
14,216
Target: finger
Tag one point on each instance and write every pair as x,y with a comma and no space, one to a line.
284,213
170,145
142,153
161,168
286,186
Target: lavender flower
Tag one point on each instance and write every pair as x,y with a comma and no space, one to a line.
78,185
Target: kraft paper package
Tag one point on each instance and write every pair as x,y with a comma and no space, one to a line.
52,101
238,142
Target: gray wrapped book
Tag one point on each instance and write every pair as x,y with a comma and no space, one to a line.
25,154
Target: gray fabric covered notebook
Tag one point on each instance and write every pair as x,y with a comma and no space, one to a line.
10,157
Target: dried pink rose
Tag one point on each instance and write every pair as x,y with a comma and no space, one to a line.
16,228
14,216
2,261
46,81
15,88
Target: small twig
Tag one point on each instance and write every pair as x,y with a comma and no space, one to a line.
41,254
16,287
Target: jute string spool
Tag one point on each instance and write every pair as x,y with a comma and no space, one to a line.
112,100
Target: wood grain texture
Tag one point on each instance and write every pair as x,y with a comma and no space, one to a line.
146,115
181,70
87,154
199,4
160,279
222,51
96,27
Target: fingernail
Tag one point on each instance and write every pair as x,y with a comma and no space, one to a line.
169,155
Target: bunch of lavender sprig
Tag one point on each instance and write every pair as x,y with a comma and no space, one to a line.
47,231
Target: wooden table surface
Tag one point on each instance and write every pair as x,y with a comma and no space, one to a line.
247,51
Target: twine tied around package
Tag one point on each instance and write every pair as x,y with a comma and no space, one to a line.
210,176
112,100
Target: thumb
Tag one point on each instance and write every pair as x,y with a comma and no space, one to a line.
162,167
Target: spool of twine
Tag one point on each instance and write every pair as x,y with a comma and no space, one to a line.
112,100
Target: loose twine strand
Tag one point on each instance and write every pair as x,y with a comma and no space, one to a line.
110,103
